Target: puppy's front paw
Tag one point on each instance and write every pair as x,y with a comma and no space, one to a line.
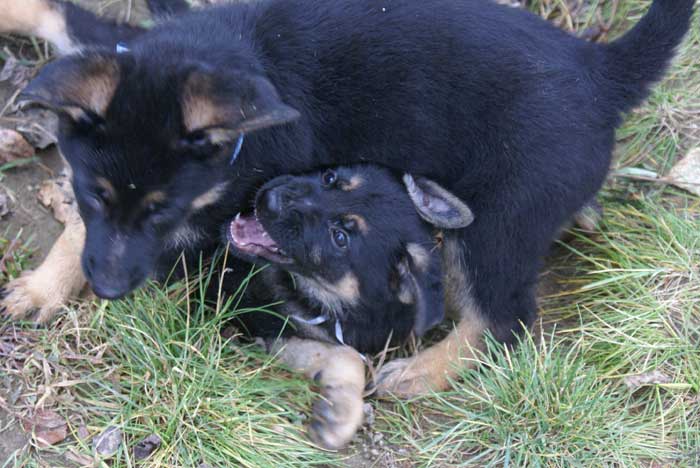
23,296
336,417
408,378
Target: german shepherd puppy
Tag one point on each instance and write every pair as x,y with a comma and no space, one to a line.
358,258
172,131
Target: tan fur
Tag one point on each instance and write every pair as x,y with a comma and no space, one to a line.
95,88
354,183
340,372
360,221
419,255
431,369
331,296
157,196
57,280
209,198
39,18
107,186
199,110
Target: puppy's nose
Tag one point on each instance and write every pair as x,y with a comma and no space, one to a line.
273,200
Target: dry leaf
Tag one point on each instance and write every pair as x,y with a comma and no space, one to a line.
58,194
686,173
633,382
16,73
107,443
13,146
48,428
146,447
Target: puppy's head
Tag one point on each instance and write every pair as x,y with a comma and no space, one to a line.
358,234
148,136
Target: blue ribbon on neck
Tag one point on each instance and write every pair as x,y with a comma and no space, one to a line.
237,150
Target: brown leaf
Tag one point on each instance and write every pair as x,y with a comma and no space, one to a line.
146,447
107,443
633,382
686,172
58,195
13,146
47,427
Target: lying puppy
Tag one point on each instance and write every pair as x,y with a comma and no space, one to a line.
172,132
354,257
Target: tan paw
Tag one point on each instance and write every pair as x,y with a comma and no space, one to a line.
336,417
408,378
23,297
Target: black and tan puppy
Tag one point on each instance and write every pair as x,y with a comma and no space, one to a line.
355,260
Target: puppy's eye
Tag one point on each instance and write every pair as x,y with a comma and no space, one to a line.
95,202
340,238
99,199
198,140
329,178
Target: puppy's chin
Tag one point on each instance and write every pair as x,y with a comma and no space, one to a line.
251,241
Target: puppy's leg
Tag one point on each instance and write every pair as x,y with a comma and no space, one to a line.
431,369
60,277
340,372
63,24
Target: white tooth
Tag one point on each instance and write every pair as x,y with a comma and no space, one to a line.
265,234
238,218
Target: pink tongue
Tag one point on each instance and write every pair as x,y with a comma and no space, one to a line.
246,230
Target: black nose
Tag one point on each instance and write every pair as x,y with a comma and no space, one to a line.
273,200
278,199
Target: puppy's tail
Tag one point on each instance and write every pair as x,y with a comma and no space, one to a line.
632,63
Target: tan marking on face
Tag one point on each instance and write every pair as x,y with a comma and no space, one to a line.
332,296
360,221
347,288
354,183
157,196
419,255
107,186
209,197
37,18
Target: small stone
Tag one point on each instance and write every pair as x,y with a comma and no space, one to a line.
107,443
146,447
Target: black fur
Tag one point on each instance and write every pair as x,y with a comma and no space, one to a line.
511,114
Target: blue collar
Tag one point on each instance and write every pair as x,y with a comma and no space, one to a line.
237,150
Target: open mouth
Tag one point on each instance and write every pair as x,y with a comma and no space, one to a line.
249,237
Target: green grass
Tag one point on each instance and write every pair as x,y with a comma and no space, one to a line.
561,400
622,302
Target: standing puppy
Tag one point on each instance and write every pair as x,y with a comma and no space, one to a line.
172,133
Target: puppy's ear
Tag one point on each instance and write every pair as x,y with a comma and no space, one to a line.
223,107
436,205
80,86
418,283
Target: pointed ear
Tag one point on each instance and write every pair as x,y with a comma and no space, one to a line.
436,205
79,86
419,283
224,108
